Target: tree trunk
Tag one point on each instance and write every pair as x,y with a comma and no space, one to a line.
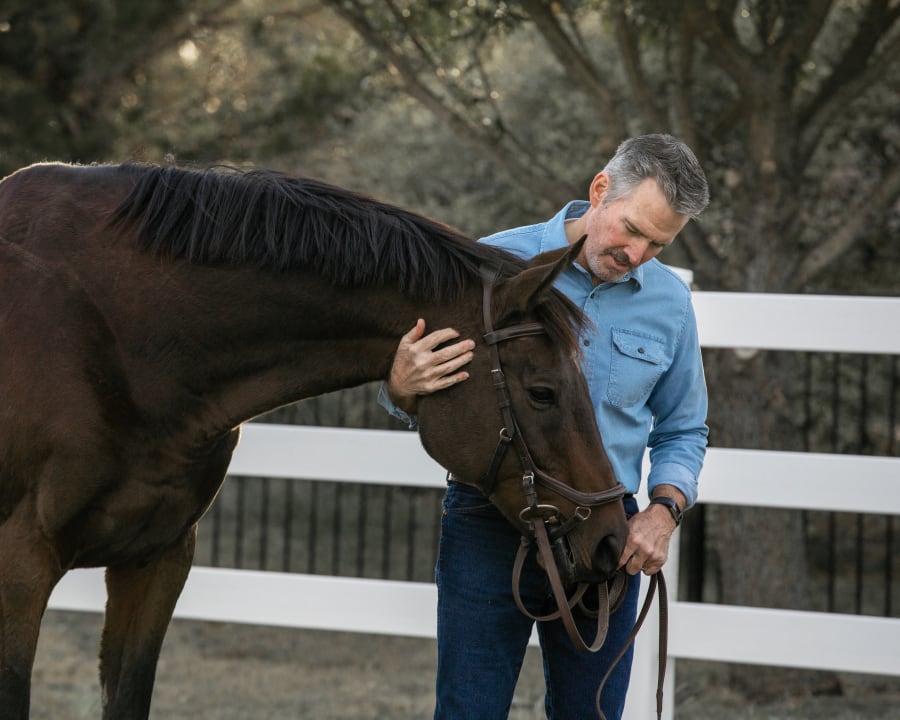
761,551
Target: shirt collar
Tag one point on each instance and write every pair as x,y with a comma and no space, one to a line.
555,238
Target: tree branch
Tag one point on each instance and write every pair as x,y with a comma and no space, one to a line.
807,22
517,142
629,50
852,76
574,30
581,69
699,250
519,168
724,46
883,195
872,27
680,89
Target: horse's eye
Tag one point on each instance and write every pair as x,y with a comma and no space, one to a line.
541,395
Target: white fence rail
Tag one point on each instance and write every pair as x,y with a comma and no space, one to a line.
736,477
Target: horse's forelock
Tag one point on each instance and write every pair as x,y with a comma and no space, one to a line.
563,320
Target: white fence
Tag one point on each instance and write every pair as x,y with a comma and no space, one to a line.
732,477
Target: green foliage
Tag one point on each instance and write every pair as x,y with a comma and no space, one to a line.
491,114
62,65
776,101
94,81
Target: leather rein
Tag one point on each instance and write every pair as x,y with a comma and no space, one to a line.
549,527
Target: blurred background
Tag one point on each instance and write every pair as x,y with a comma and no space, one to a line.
487,115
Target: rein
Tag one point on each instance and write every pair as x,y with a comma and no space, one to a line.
539,517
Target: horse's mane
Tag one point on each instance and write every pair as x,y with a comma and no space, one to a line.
226,216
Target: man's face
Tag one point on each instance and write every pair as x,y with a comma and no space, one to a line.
627,232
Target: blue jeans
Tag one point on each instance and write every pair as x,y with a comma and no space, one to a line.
482,636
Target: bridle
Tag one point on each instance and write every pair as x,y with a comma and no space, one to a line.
511,436
547,525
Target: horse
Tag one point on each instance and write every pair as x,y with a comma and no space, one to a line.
147,311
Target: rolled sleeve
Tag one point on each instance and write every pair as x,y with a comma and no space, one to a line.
678,476
385,401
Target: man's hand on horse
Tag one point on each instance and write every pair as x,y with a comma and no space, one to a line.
420,369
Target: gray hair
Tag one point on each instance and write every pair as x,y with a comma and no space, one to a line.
667,160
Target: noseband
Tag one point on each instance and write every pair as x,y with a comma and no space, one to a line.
548,525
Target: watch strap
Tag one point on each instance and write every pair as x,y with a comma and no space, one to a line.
675,511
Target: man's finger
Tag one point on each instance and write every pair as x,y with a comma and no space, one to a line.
433,339
454,356
449,380
634,565
414,335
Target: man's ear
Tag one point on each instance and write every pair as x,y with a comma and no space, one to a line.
520,293
598,188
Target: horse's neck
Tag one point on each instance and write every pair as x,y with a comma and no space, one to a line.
236,343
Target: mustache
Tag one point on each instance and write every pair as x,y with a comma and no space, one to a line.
620,257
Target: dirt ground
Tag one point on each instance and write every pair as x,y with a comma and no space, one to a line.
217,671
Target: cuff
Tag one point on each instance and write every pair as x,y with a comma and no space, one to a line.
676,475
385,401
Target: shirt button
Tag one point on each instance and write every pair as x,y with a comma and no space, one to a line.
641,351
586,342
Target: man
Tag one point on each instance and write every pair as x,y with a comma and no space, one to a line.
643,367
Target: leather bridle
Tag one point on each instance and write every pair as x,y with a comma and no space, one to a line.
510,435
548,527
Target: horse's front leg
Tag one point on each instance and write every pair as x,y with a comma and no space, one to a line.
28,571
142,597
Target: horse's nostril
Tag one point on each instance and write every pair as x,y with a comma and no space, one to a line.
606,554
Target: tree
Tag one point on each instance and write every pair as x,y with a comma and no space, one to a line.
65,67
772,95
150,79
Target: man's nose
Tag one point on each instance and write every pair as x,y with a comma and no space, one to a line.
635,251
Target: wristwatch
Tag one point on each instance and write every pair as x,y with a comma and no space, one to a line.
671,504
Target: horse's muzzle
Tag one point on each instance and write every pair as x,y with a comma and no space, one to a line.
603,557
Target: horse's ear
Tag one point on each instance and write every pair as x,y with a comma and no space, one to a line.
525,290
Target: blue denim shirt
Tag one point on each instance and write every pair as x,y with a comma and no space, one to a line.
641,359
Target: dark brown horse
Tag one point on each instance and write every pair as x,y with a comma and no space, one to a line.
146,312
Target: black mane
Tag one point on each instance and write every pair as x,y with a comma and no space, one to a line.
271,220
276,221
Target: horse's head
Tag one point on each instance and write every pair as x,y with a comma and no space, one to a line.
525,412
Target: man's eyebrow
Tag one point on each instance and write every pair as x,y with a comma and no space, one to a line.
633,227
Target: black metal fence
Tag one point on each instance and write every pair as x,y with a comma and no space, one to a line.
848,404
329,528
855,558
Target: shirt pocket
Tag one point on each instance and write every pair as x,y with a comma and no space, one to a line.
637,362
